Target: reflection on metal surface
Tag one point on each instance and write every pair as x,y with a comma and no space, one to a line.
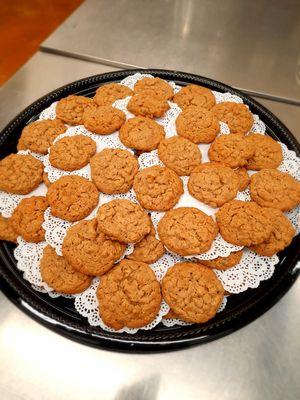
249,45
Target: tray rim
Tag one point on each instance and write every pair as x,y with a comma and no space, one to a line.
11,287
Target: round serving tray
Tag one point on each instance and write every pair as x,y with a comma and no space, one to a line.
60,315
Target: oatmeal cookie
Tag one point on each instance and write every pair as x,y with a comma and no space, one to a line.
70,109
179,154
192,291
236,115
233,150
213,185
59,274
39,135
154,87
21,145
107,94
197,125
72,152
276,189
46,179
157,188
113,170
124,221
223,263
141,133
20,174
187,231
244,178
194,95
87,249
148,250
281,236
72,197
267,152
28,217
129,295
147,106
6,230
244,223
103,120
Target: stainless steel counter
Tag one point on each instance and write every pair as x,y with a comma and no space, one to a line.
260,361
252,45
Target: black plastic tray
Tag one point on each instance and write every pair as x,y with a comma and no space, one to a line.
59,314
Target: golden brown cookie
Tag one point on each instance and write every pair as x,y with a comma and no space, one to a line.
87,249
179,154
113,170
72,197
20,174
194,95
267,152
276,189
154,87
148,250
233,150
171,315
72,152
147,106
28,217
197,124
187,231
103,120
236,115
157,188
124,221
21,144
223,263
244,178
281,236
129,295
141,133
213,185
59,274
46,179
39,135
244,223
192,291
107,94
6,230
70,109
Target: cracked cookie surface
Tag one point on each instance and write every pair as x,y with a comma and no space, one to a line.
179,154
129,295
187,231
244,223
236,115
197,124
113,170
70,109
20,174
157,188
103,120
141,133
6,230
59,274
147,106
276,189
72,152
156,87
267,152
223,263
107,94
28,217
124,221
194,95
193,292
88,250
72,198
39,135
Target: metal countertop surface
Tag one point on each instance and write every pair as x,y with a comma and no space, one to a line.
260,361
252,45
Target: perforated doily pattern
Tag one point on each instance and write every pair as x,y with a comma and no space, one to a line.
247,274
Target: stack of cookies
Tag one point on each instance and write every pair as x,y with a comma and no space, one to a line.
129,293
